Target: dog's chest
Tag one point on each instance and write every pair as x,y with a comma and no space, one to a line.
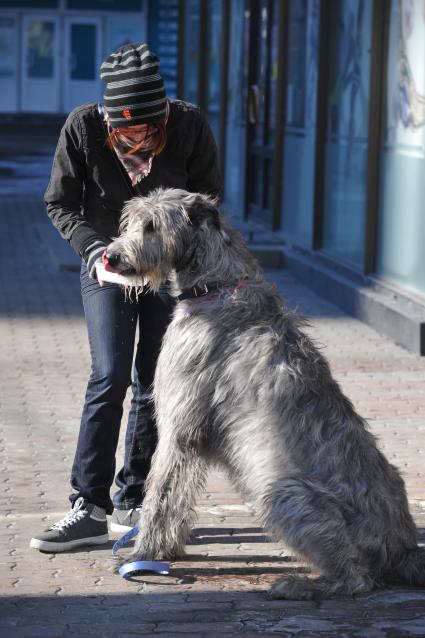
191,341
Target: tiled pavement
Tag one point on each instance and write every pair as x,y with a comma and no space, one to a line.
218,590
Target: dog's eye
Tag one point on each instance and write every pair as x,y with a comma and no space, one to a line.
149,228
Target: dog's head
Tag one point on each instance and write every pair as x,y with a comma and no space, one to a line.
161,232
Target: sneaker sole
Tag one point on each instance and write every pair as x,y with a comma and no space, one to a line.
49,546
116,527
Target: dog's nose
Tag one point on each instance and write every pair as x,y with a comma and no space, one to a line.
113,259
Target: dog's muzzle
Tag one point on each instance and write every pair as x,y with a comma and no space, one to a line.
113,262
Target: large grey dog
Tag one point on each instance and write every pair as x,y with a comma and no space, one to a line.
238,383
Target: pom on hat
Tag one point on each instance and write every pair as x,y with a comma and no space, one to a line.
135,92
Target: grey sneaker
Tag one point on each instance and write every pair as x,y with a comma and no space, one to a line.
85,524
124,520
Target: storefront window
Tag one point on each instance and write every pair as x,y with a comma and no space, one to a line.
236,106
347,129
191,49
40,59
7,47
30,4
300,124
109,5
8,63
163,39
401,234
83,52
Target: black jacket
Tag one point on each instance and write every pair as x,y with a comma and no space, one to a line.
88,185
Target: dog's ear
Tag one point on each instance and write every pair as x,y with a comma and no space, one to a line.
204,213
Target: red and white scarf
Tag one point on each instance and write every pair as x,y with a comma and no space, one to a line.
137,165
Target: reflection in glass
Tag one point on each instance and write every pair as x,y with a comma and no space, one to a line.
40,40
215,21
191,51
300,125
7,47
83,52
297,62
401,231
262,107
273,68
236,106
347,129
262,71
163,38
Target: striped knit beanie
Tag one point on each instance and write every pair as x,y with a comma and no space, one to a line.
135,92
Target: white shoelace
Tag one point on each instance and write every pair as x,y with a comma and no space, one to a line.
73,516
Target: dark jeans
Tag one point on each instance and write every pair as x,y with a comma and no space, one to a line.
111,321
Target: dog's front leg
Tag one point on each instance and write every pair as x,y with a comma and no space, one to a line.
177,474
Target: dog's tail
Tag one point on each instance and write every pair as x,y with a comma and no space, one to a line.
410,569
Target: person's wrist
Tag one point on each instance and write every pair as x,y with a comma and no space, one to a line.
93,255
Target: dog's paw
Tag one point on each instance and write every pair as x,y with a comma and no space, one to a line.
292,588
114,563
321,588
173,554
142,554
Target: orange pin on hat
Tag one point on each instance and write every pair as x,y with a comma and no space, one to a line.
127,114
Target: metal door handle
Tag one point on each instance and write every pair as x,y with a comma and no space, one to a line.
254,104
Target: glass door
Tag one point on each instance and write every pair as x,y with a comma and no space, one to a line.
40,85
262,107
346,142
298,175
82,62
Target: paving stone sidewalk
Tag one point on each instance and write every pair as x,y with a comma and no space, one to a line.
219,589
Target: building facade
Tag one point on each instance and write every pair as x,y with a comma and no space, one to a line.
318,108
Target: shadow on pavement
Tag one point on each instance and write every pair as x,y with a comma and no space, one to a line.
227,535
391,613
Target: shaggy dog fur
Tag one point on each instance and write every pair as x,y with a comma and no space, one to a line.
239,384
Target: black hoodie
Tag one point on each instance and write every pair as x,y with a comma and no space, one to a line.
88,184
